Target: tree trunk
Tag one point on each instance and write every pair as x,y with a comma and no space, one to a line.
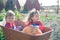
18,5
30,4
10,5
1,5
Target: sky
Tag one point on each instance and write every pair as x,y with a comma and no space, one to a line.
44,2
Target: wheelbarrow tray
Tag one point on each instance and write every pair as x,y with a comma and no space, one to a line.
16,35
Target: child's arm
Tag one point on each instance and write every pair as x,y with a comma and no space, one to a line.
41,27
7,25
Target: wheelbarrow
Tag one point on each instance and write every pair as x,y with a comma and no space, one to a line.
11,34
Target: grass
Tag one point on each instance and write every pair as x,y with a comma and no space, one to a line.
2,14
1,35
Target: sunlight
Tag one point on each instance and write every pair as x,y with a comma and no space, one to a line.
48,2
44,2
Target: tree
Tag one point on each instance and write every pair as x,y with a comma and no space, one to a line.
10,5
1,5
17,5
30,4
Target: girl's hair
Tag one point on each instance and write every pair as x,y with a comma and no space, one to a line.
31,15
9,13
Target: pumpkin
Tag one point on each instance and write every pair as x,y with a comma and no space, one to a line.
31,31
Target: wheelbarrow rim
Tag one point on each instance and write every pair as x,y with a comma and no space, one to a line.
31,35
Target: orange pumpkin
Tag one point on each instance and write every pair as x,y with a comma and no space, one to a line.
31,31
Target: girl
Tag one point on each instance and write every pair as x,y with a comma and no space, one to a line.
10,21
34,25
10,17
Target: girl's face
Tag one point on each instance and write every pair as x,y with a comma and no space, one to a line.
35,17
10,19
